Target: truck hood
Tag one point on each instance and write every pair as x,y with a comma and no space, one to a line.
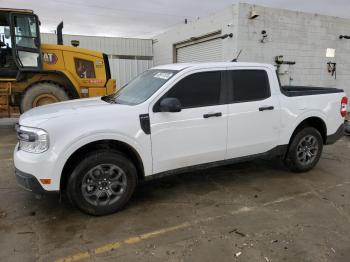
37,116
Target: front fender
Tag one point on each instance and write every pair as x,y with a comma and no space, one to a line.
142,150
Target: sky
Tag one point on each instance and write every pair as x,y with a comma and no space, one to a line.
146,18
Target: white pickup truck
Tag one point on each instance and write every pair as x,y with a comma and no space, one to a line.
171,119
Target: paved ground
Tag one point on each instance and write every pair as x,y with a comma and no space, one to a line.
7,122
255,211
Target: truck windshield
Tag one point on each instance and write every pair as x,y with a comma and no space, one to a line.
141,88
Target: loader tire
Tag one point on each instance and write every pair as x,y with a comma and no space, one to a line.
42,94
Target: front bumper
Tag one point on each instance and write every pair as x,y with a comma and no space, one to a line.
29,182
331,139
39,166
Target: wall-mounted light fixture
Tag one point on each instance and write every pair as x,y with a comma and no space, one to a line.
344,36
253,14
226,36
264,36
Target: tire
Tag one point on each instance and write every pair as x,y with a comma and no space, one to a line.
347,128
41,94
96,177
305,150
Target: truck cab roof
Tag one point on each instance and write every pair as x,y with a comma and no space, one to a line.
182,66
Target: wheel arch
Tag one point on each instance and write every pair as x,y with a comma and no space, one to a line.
110,144
315,122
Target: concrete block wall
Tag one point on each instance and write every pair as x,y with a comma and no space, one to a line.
300,37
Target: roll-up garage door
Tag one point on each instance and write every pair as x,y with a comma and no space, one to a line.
208,51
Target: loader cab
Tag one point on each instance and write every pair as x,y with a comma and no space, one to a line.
19,43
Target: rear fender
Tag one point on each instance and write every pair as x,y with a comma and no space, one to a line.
289,130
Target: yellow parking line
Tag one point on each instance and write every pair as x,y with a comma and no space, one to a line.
116,245
136,239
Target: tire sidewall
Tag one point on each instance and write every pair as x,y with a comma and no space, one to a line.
38,89
292,154
102,157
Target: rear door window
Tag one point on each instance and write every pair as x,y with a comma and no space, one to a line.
249,85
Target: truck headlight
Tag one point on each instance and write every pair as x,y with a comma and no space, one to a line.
32,140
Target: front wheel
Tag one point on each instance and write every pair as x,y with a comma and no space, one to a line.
102,183
42,94
304,150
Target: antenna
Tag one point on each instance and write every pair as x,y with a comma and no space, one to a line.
235,59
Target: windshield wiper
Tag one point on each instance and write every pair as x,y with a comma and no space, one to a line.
109,99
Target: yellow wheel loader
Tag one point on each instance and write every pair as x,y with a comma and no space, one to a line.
34,74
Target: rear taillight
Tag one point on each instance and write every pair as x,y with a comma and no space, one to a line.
344,102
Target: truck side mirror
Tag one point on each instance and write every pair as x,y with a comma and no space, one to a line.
170,104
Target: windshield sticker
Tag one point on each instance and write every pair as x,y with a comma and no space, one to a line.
165,76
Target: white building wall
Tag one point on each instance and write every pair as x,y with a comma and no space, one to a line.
222,20
127,69
108,45
122,69
300,37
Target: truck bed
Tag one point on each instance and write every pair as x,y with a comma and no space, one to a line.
308,90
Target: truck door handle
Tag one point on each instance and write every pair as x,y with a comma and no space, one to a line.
212,115
266,108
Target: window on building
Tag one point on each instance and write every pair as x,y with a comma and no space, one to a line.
249,85
198,90
84,68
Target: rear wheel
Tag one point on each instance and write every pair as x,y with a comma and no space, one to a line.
102,183
304,150
42,94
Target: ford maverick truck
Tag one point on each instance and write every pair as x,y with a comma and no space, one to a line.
171,119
